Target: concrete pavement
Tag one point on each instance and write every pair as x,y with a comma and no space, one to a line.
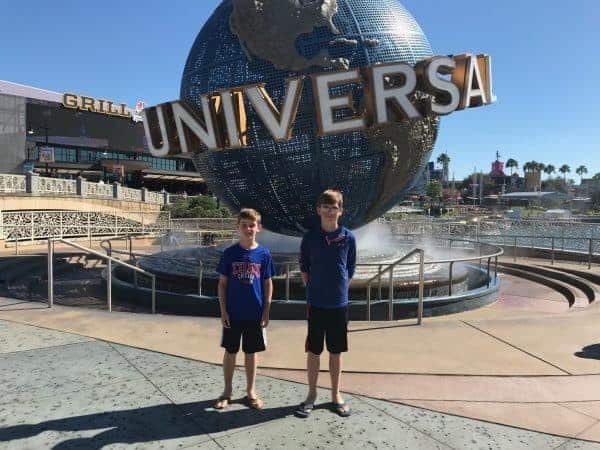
64,391
527,361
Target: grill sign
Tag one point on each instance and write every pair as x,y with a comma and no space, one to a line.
451,84
84,103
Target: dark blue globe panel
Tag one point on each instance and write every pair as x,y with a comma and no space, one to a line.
283,180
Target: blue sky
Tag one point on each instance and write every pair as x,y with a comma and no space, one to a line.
545,65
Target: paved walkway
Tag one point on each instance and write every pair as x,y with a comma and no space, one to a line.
528,361
65,391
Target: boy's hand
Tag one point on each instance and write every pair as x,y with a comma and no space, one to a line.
264,320
225,320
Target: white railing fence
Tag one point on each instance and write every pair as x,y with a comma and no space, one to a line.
33,184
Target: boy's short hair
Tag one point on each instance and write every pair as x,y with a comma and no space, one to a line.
331,197
249,214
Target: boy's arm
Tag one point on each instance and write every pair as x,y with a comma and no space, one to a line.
223,301
267,272
268,295
304,261
304,277
351,262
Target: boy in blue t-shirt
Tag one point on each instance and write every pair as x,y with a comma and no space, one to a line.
245,291
327,263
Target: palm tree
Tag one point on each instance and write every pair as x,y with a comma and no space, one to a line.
540,167
444,160
550,169
581,170
564,169
530,166
512,164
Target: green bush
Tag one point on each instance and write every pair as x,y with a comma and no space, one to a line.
196,207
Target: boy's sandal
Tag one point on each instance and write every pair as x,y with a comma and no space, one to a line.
222,402
304,410
341,409
254,403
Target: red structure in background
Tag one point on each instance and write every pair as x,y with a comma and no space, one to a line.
497,168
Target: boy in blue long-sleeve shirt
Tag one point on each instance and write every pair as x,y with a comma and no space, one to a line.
327,263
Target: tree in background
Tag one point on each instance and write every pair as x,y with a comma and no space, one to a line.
556,184
550,169
540,167
196,207
512,164
530,166
434,190
444,160
581,170
564,169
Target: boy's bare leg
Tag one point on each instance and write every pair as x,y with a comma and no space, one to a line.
335,371
251,362
228,368
313,363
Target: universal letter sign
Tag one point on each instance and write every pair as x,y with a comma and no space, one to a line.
451,83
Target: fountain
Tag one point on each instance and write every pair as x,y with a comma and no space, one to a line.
188,278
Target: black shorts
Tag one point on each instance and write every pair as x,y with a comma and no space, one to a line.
253,336
330,325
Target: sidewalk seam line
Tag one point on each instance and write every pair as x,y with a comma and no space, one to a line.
361,399
501,402
45,397
157,388
49,347
515,347
588,428
579,412
575,438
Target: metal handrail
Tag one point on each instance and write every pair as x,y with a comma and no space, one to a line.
502,238
109,259
390,268
395,263
288,272
133,257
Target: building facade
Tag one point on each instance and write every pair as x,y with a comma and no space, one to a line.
66,136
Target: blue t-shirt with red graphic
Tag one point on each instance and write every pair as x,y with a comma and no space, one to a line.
245,269
329,259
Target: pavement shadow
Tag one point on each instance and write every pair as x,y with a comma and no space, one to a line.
589,352
146,424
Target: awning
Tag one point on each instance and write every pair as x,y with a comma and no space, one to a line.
127,164
174,176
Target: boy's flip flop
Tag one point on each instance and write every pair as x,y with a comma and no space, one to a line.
254,403
222,402
304,410
341,409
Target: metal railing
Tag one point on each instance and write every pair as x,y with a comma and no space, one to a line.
567,236
35,185
584,246
534,243
109,261
291,269
35,226
106,244
390,269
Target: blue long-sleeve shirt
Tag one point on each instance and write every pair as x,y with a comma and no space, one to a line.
329,259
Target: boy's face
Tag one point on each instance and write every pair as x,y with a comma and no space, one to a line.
248,228
329,212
